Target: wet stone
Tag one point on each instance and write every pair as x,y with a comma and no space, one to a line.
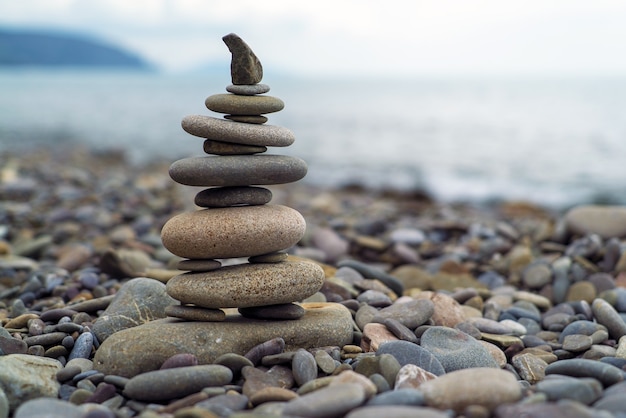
221,197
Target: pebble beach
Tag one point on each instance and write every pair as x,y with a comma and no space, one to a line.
498,309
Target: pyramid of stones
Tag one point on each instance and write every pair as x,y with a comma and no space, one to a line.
236,219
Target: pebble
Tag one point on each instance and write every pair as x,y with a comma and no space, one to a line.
411,314
606,221
26,377
194,313
248,89
227,148
412,376
237,170
123,352
220,197
237,132
585,390
234,104
607,374
176,382
606,315
408,353
245,66
247,285
280,311
396,397
396,411
459,389
328,402
304,367
455,350
235,232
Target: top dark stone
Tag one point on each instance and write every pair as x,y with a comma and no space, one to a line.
245,67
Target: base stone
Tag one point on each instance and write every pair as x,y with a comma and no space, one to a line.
144,348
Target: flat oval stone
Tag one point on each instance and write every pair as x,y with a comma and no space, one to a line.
248,89
194,313
396,411
606,221
237,170
247,285
235,104
606,315
243,231
237,132
227,148
175,383
332,401
125,353
222,197
275,257
258,119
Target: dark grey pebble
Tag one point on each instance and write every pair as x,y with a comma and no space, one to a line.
400,331
518,312
620,363
67,373
606,315
119,381
374,298
82,346
585,390
10,345
53,315
93,305
224,405
231,196
84,375
45,339
68,342
382,385
607,374
180,360
455,350
304,367
280,358
273,346
373,273
103,392
281,311
69,327
399,397
580,327
409,353
56,352
160,385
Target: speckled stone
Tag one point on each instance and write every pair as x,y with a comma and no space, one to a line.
606,221
606,315
248,285
124,353
237,132
221,197
234,104
475,386
227,148
233,232
248,89
237,170
194,313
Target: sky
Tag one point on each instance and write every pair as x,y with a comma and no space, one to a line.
353,37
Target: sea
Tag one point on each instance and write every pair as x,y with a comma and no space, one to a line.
553,141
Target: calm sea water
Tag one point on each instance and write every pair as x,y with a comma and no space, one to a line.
557,142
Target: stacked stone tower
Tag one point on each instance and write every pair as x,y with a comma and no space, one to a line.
236,219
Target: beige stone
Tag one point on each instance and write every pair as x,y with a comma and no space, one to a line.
476,386
235,104
374,335
606,221
146,347
247,285
243,231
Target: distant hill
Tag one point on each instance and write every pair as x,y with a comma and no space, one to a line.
53,49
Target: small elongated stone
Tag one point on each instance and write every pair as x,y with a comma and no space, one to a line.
227,148
221,197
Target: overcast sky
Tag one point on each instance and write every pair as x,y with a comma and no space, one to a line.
347,37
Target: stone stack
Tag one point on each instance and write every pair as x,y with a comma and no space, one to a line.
236,219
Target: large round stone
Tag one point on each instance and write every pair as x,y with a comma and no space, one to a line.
606,221
237,170
243,105
247,285
146,347
237,132
242,231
